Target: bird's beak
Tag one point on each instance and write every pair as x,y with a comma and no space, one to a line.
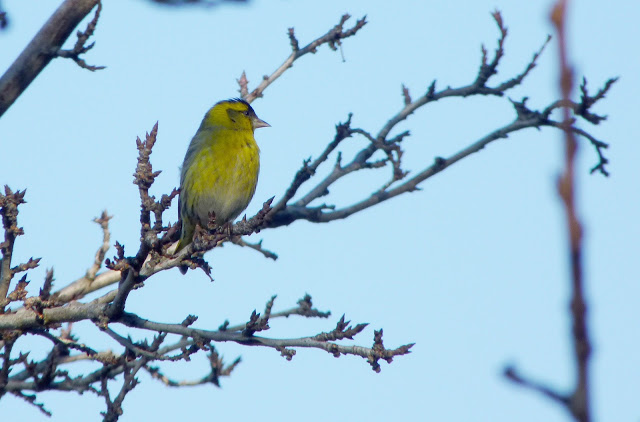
259,123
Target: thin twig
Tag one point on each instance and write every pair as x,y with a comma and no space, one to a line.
103,221
255,246
331,38
81,47
31,61
9,203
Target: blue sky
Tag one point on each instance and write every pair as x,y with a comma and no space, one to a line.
472,268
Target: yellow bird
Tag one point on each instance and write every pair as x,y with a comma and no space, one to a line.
220,169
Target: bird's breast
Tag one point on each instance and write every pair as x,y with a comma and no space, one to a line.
224,175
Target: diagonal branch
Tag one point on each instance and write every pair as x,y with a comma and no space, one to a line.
35,57
284,214
80,47
511,374
332,38
298,211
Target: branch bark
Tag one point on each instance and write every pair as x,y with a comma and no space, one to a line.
38,53
38,315
577,402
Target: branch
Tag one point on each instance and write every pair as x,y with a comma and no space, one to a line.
578,401
136,352
114,407
321,215
31,399
43,313
80,47
35,56
343,131
218,369
152,257
512,375
83,286
332,38
282,345
255,246
103,221
9,203
91,281
284,213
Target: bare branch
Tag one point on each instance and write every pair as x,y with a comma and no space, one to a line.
243,82
45,291
9,203
255,246
335,349
41,315
284,214
517,80
299,211
127,283
597,145
333,38
103,221
511,374
405,95
19,292
29,265
218,369
136,352
343,330
80,47
343,131
83,286
586,101
114,407
35,56
31,399
579,403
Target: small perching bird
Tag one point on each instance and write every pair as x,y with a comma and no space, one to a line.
220,169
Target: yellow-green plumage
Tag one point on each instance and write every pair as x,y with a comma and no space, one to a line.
220,169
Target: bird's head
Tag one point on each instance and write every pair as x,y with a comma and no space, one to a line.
234,114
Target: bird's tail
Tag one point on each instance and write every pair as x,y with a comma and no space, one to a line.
186,237
181,246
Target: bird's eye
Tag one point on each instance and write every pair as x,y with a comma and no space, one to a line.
246,113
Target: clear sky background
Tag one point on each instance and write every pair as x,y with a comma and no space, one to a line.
472,268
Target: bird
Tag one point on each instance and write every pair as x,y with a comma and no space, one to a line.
220,169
